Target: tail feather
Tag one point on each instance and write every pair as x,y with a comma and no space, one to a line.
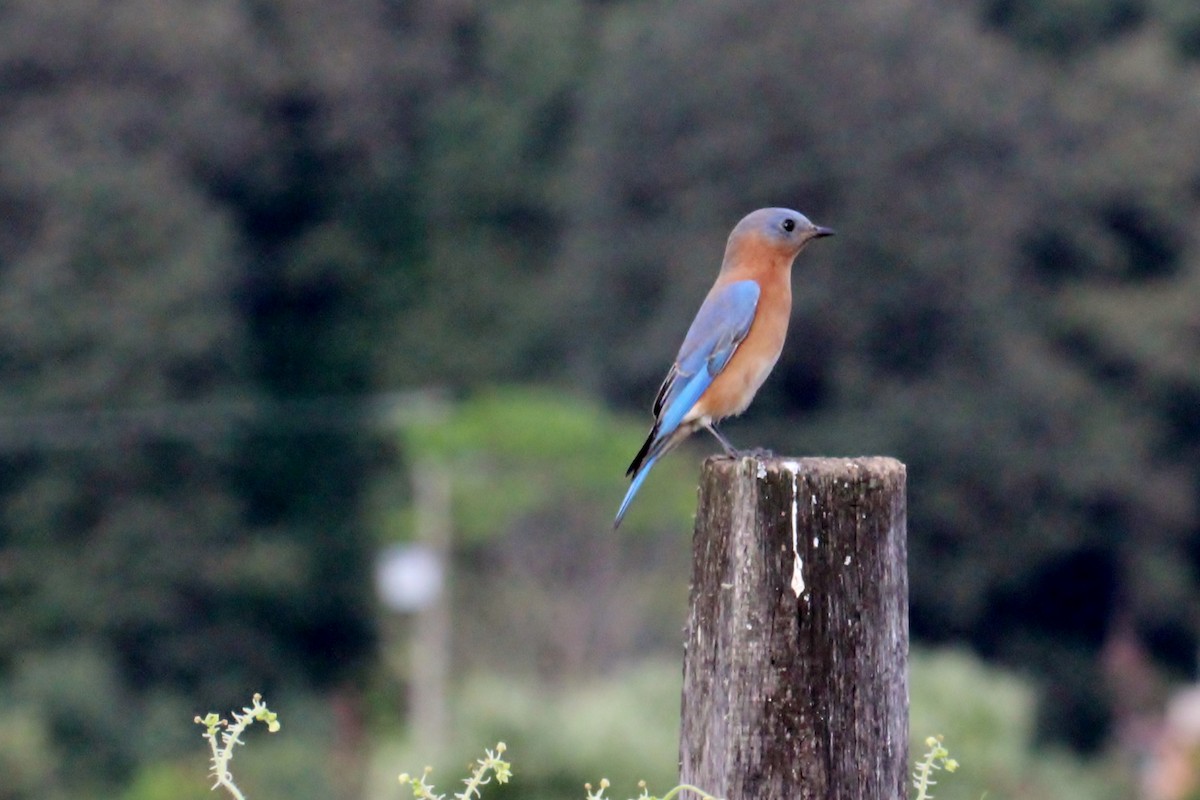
635,484
654,448
641,456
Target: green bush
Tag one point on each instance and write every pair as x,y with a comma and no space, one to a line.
987,715
624,726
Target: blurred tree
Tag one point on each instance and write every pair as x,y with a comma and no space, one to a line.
1071,29
541,583
489,182
171,176
1064,27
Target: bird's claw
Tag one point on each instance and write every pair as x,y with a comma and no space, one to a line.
754,452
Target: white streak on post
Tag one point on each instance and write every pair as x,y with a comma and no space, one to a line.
798,563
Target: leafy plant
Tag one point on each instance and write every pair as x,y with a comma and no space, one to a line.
500,770
645,795
937,758
223,736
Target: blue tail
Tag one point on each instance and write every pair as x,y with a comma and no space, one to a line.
635,484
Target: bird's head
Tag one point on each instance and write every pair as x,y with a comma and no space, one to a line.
779,228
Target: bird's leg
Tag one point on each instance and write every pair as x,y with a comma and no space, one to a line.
730,450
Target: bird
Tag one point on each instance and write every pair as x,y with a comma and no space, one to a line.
734,340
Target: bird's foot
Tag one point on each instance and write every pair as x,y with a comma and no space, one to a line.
754,452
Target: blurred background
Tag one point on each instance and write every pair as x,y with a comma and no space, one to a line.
327,331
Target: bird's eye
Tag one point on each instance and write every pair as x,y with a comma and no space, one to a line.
789,225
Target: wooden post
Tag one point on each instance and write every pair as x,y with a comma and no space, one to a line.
794,678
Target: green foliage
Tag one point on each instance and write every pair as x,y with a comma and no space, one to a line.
989,714
166,781
501,771
64,699
156,191
26,753
626,726
1071,29
516,451
1065,27
544,584
1182,19
496,143
623,725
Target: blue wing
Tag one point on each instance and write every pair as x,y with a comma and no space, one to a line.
719,327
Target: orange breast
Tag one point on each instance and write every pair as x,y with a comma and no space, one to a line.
733,389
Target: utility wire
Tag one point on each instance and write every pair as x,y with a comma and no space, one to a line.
215,419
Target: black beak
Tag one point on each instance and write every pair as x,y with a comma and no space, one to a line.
819,231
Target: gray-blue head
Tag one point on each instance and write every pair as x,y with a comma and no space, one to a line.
781,229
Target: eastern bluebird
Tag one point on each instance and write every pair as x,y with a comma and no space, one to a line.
735,339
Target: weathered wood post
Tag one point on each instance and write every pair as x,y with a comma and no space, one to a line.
794,679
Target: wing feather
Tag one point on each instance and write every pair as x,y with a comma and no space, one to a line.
719,327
